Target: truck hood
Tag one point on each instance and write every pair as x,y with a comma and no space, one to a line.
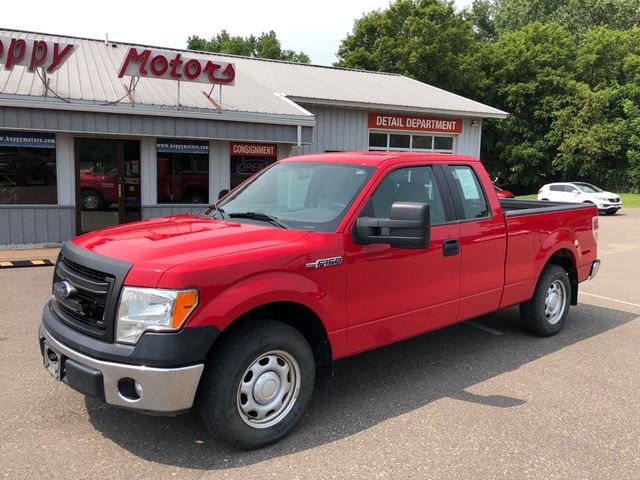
159,244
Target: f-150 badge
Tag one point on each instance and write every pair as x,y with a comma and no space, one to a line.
325,262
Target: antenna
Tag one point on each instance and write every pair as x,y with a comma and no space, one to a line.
106,38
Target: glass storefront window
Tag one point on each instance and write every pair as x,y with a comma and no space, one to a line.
385,141
247,159
28,168
183,171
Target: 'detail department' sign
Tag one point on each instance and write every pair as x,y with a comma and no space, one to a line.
415,123
27,140
168,145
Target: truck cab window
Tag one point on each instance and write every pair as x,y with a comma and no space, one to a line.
474,202
412,184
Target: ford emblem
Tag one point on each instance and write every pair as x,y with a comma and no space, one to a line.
65,289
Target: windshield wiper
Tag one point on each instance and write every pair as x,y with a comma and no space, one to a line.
259,216
216,209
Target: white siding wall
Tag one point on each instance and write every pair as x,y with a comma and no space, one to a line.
338,129
469,139
148,170
219,171
65,173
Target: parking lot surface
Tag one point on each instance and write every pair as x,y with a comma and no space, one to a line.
477,400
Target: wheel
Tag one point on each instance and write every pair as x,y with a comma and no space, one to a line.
544,199
91,200
611,212
257,385
545,314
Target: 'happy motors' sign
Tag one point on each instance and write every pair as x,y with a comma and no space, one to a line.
144,62
33,53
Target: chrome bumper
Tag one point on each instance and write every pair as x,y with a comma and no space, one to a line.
164,390
595,266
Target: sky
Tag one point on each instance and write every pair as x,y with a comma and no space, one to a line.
316,28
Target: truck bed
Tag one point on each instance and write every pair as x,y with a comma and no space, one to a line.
514,208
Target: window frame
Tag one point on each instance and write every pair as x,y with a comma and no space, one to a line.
441,182
411,134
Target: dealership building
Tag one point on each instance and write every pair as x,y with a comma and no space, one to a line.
96,133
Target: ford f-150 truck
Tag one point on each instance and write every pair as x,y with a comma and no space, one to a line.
238,309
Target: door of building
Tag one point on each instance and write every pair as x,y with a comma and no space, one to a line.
107,182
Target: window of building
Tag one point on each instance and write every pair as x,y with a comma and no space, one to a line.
183,171
247,159
28,168
389,141
474,203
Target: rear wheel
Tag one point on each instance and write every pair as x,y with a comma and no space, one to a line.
544,199
546,313
257,385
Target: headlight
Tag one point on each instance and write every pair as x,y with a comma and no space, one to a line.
143,309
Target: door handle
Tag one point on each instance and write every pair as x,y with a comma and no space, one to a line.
450,247
119,190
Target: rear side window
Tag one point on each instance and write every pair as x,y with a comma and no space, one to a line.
474,202
557,188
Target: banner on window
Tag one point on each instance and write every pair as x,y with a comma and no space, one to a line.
27,140
166,145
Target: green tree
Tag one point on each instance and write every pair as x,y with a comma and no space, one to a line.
266,45
528,73
576,15
422,39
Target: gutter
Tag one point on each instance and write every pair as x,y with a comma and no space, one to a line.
136,109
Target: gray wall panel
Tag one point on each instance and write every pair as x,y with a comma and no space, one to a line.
15,226
28,224
5,232
337,129
140,125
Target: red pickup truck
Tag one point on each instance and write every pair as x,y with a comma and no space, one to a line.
314,259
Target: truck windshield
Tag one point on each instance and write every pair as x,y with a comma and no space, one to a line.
301,195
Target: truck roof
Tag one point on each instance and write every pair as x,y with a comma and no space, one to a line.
377,159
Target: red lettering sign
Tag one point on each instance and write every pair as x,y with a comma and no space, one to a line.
33,53
416,123
254,149
172,66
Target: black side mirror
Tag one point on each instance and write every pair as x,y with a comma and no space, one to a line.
408,227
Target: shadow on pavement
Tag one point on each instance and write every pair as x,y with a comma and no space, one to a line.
367,389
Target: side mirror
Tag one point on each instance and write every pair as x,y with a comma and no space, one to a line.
575,191
408,227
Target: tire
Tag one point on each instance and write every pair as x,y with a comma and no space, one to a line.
91,200
544,199
610,212
230,401
546,313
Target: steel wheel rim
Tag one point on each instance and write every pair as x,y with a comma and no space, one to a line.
268,389
90,201
555,302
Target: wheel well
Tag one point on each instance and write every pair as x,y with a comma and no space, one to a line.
299,317
565,259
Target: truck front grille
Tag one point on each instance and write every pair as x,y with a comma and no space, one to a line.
83,299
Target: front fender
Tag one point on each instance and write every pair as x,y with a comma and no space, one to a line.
264,288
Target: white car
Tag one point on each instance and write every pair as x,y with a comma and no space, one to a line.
580,192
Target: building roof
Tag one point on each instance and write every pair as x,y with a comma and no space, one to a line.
263,88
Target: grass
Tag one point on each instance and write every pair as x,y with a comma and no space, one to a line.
629,200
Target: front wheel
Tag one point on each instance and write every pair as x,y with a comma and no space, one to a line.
257,385
546,313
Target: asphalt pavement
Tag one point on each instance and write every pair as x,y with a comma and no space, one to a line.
479,400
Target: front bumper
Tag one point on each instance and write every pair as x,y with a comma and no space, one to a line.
163,390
